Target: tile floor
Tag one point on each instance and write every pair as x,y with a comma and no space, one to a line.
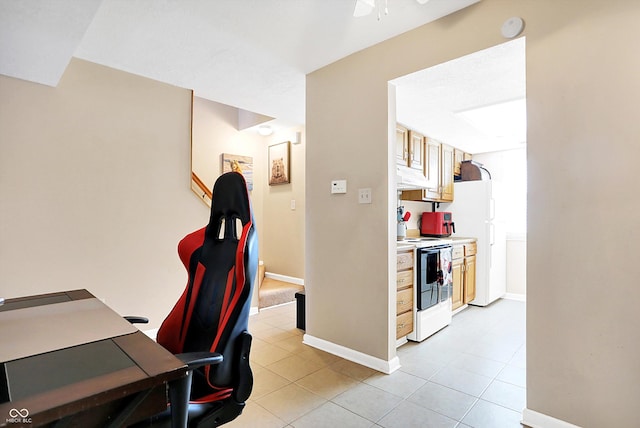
470,374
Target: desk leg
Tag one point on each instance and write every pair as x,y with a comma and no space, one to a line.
179,391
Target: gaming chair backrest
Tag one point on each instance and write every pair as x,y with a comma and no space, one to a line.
222,265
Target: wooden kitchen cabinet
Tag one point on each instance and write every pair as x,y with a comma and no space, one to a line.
457,292
432,170
470,251
458,157
438,171
446,173
463,265
469,278
404,293
416,150
402,145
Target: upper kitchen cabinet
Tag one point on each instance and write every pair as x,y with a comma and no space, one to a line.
438,170
402,145
446,173
458,157
431,170
416,150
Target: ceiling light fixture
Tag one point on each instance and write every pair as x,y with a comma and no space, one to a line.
365,7
265,130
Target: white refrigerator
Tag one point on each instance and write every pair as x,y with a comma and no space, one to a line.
476,213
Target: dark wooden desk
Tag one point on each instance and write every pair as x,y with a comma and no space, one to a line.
116,381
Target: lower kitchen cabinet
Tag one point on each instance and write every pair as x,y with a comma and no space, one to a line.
470,251
457,266
463,266
404,294
404,324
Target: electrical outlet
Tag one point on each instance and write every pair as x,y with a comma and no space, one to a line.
364,196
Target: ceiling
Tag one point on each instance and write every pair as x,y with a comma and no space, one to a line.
250,54
430,100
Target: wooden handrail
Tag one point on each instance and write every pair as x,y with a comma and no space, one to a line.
201,185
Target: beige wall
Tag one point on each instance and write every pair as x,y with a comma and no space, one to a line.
284,227
280,229
516,267
582,100
215,131
95,188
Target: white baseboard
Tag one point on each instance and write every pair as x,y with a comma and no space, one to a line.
533,419
514,296
378,364
254,310
284,278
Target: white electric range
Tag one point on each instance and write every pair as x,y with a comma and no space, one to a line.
432,287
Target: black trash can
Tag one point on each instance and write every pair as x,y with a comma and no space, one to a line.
300,310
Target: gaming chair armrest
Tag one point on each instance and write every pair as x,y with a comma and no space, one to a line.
193,360
136,319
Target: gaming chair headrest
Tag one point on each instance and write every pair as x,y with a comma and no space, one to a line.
230,201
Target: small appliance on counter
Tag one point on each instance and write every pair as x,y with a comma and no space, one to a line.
472,171
438,224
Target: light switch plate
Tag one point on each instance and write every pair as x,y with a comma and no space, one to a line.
364,196
339,186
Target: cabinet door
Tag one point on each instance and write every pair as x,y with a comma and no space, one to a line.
457,292
432,169
402,145
416,150
469,278
446,168
458,157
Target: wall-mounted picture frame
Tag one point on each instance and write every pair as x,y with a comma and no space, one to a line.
279,163
241,164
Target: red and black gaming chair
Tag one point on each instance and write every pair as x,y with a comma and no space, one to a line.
207,327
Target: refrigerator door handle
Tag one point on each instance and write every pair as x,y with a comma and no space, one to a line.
492,209
492,234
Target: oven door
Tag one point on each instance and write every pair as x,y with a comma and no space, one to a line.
446,269
429,278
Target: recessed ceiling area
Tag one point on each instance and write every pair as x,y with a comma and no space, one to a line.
248,54
449,101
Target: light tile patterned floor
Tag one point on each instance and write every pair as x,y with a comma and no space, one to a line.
470,374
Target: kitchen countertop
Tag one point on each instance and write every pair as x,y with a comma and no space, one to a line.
462,240
458,240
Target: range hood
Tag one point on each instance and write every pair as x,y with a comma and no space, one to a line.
410,179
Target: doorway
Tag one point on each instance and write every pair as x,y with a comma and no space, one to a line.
477,104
